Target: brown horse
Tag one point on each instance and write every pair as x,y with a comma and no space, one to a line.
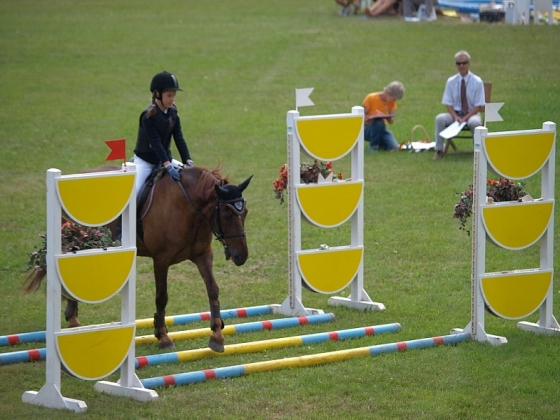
179,220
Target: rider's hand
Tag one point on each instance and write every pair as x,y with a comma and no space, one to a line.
189,162
173,172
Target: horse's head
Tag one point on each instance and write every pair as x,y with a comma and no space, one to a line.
231,211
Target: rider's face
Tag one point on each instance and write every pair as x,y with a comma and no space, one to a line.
168,98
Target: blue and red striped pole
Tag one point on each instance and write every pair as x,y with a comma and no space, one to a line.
30,337
40,336
256,346
242,328
302,361
205,316
23,356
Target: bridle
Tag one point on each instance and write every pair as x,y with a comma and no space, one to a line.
237,205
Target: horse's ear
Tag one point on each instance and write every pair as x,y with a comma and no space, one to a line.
220,191
244,184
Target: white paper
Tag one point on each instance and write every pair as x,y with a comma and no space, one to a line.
418,146
452,130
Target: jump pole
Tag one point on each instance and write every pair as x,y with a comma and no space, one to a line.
29,337
205,316
301,361
23,356
257,346
243,328
40,354
172,320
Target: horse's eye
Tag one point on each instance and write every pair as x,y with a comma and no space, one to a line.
228,213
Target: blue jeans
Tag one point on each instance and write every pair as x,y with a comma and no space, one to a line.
379,137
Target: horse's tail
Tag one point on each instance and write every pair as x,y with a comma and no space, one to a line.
34,279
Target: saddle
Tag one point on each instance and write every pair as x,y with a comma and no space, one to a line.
145,195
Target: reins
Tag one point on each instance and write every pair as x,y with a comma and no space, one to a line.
220,234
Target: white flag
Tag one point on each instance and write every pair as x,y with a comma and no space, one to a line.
302,97
491,112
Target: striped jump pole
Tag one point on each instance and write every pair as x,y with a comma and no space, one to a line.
205,316
23,356
30,337
256,346
242,328
40,336
302,361
40,354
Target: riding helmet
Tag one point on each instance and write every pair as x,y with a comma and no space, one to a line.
164,81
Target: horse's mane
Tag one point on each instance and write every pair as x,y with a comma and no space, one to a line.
208,178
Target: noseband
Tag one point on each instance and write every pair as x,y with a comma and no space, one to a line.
237,205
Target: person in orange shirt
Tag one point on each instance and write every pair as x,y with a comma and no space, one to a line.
379,110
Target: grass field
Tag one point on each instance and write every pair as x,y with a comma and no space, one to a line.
77,73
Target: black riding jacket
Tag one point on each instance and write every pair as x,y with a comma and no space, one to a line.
154,136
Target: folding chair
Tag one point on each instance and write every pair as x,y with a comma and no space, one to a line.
466,133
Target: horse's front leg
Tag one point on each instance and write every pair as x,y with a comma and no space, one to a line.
160,329
204,264
71,314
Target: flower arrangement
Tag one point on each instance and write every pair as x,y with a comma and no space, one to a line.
496,191
308,173
74,237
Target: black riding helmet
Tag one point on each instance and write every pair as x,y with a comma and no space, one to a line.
164,81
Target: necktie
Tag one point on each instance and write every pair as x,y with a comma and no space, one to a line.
464,103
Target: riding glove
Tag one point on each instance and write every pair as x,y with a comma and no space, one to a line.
173,172
189,162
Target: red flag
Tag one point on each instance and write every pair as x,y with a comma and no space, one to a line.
118,149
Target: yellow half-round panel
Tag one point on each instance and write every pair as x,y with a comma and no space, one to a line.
329,138
331,270
518,156
517,225
95,353
516,295
329,205
97,275
95,200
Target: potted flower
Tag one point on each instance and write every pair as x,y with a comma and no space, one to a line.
308,173
496,191
74,237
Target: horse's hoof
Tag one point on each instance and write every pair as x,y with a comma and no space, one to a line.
216,346
166,344
74,323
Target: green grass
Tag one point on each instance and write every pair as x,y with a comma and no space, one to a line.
77,73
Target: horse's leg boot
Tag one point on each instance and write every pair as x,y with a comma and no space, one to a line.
160,331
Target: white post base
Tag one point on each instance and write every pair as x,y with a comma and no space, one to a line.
552,329
362,305
298,310
481,336
50,396
138,393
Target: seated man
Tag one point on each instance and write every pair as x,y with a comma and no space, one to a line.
379,108
464,99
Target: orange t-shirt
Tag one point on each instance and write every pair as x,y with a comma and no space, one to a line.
373,104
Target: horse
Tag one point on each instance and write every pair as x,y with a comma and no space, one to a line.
178,221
